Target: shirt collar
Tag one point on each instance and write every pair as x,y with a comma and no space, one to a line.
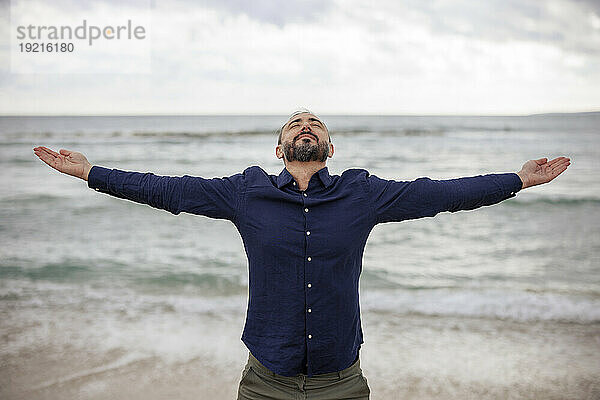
285,177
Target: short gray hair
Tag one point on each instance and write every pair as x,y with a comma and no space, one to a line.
292,115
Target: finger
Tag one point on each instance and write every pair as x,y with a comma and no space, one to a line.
555,172
559,163
560,166
47,153
46,157
65,152
559,171
557,160
55,154
541,161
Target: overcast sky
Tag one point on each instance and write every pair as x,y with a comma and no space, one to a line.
332,56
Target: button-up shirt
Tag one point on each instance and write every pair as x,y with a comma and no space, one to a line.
305,248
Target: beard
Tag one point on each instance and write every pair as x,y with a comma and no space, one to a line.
306,151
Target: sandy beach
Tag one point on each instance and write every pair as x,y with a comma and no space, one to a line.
404,358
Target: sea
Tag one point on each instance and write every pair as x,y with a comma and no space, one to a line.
102,297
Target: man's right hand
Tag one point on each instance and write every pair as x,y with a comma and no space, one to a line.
66,161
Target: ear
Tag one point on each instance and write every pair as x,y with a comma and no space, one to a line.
331,150
279,151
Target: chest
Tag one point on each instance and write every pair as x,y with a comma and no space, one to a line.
293,221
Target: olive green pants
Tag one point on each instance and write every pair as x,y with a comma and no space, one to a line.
258,382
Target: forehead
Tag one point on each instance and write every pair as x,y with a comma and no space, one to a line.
302,117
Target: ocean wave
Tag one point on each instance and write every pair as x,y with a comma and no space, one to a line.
31,198
132,301
116,297
486,303
412,132
223,283
271,132
215,283
50,272
22,137
558,201
202,134
17,137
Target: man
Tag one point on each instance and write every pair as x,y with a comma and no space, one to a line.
304,232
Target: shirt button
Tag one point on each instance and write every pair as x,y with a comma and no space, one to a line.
309,258
304,194
309,310
307,233
306,210
97,189
309,285
310,336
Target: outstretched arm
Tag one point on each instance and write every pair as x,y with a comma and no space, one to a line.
400,200
215,198
536,172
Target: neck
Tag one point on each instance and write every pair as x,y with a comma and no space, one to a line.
303,171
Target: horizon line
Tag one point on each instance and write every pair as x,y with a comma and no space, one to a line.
286,114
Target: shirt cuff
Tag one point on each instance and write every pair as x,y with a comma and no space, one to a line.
98,178
513,183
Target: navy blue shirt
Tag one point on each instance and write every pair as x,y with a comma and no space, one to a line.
305,248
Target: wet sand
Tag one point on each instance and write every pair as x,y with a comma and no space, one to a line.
414,357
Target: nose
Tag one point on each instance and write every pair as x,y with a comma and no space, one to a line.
306,126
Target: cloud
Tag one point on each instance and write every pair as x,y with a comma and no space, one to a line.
345,56
566,24
278,13
590,5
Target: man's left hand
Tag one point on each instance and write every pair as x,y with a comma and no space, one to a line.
536,172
